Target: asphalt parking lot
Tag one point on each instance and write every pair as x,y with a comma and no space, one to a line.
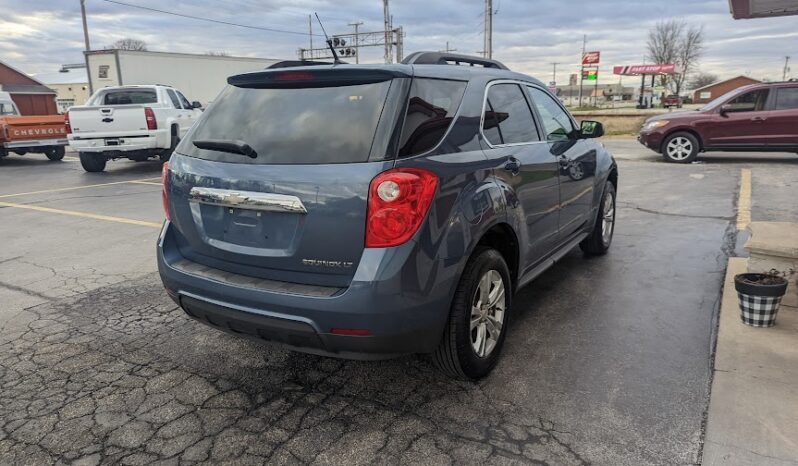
608,360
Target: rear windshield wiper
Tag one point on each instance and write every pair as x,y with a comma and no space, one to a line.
233,146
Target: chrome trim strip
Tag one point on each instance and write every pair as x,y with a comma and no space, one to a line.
268,202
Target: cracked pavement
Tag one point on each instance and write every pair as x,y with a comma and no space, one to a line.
608,360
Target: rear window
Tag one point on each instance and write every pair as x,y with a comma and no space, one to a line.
786,98
127,97
293,126
430,110
7,109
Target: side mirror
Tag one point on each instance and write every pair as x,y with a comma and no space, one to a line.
591,129
196,104
724,109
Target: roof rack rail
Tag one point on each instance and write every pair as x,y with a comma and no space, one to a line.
441,58
293,63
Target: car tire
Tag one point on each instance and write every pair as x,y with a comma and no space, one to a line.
680,147
55,153
166,155
600,239
91,162
486,275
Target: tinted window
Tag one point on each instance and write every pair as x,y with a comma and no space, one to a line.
556,122
293,126
183,100
173,98
126,97
430,110
508,119
753,101
786,98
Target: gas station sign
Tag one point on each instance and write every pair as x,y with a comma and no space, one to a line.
591,58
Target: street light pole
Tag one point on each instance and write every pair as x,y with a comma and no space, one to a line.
357,24
786,68
86,43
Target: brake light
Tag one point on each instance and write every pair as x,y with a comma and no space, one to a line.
398,202
66,123
165,190
294,76
149,115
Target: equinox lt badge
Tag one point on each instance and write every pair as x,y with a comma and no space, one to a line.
323,263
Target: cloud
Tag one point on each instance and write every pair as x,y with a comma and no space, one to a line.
39,35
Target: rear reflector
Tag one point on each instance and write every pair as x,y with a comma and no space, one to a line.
165,190
352,332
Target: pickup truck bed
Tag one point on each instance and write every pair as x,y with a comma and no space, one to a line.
45,134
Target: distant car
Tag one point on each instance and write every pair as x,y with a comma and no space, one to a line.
133,122
370,211
44,134
672,101
759,117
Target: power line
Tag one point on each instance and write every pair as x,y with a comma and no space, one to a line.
217,21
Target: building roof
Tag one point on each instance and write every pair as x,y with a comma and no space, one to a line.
177,54
745,9
725,81
26,89
21,73
73,76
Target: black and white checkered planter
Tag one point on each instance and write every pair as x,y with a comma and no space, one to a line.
759,304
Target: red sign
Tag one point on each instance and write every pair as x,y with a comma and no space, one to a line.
591,58
635,70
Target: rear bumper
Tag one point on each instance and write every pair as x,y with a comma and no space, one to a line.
158,139
651,140
400,314
35,143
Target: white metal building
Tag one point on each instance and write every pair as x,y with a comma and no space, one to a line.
199,77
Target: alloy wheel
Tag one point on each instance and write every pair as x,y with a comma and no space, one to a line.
679,148
607,218
487,313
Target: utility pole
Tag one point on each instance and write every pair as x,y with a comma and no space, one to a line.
786,68
488,49
310,30
356,25
386,13
86,41
582,68
448,50
554,72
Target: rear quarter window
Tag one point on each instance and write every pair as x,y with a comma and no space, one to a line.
317,125
430,110
787,98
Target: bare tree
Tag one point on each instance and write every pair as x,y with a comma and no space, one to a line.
703,79
129,44
674,41
213,53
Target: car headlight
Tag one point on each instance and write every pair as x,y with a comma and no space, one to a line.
655,124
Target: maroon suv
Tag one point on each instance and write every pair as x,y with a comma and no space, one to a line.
759,117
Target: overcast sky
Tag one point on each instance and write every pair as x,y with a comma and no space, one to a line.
39,35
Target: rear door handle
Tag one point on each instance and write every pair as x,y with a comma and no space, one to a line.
513,166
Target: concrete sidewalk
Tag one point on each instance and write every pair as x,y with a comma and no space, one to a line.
753,409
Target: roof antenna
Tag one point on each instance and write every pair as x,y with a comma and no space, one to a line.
329,42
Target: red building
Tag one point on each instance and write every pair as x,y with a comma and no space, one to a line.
705,94
746,9
31,96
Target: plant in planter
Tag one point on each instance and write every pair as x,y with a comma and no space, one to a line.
760,294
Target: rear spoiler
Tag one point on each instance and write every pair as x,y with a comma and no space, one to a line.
316,76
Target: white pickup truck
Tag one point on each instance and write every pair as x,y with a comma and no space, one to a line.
133,122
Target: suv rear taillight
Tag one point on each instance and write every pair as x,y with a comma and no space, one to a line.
165,190
149,115
398,202
66,123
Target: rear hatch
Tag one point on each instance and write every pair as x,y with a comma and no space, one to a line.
30,128
273,181
118,112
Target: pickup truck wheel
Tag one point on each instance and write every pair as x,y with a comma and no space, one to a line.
600,239
172,146
680,148
55,153
92,162
475,333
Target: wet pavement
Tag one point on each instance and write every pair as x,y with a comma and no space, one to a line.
608,360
